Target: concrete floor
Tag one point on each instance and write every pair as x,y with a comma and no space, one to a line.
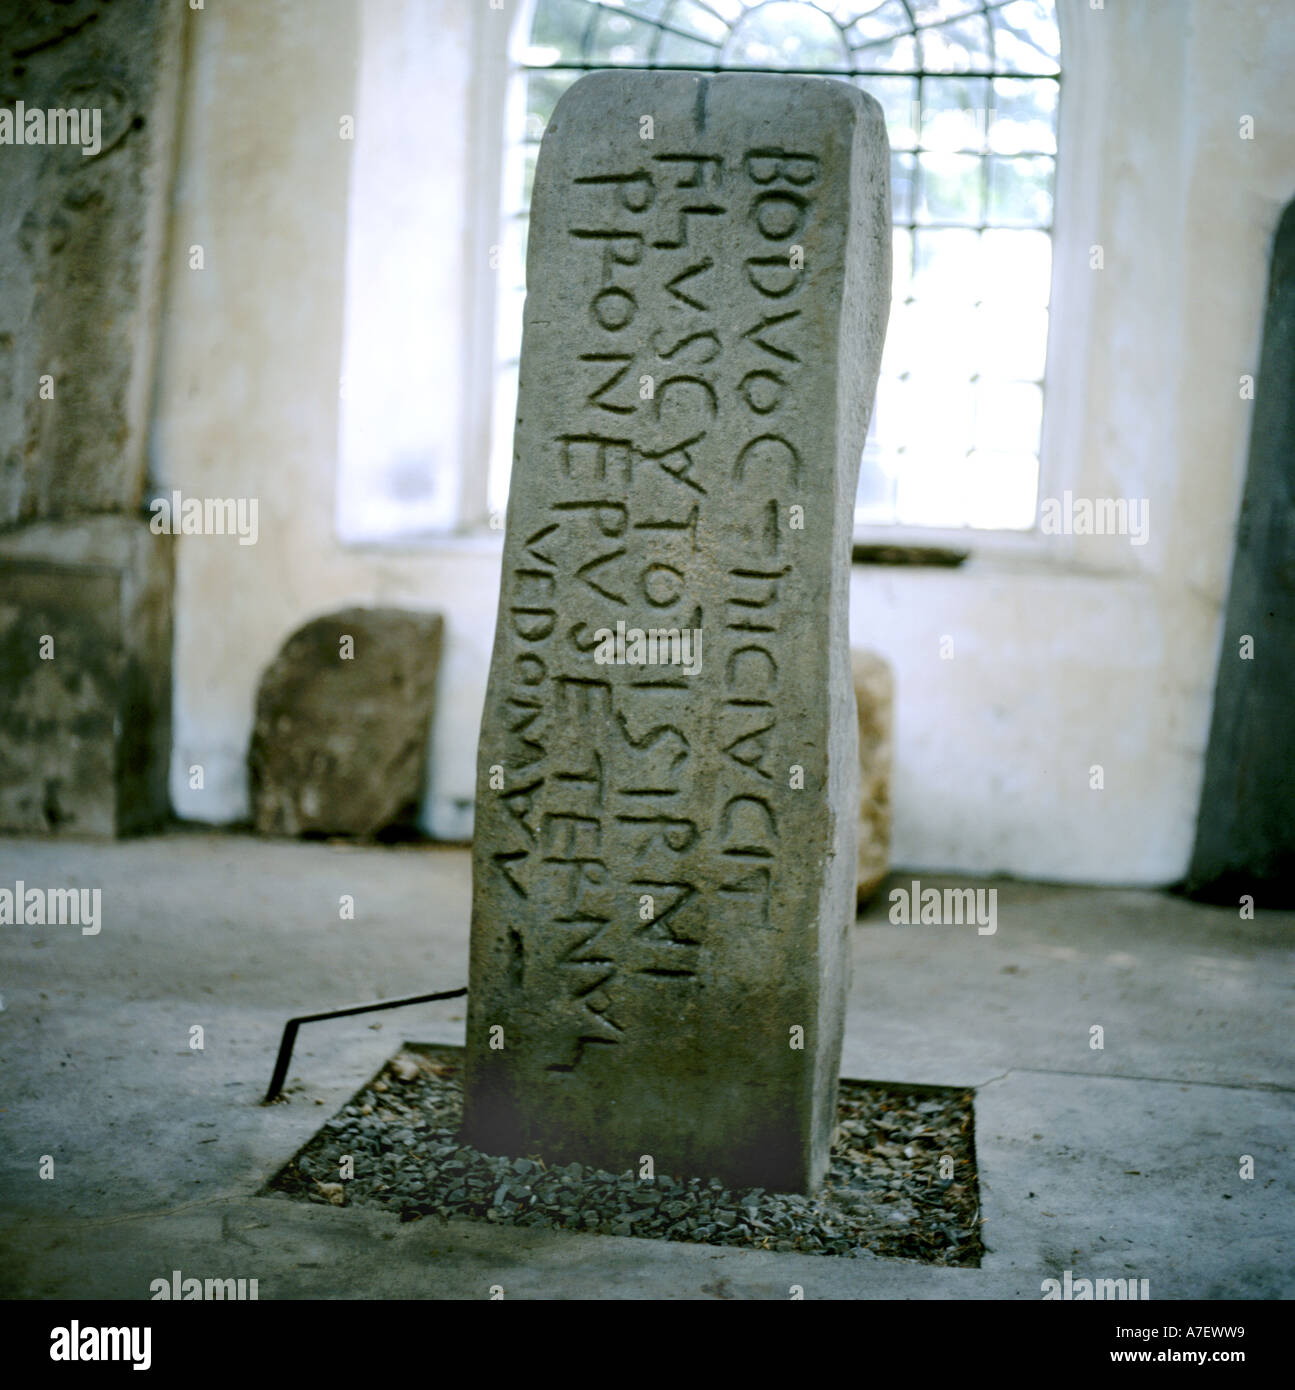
1119,1163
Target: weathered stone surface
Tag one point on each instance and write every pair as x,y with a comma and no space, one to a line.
659,904
80,249
874,694
85,677
1245,832
340,741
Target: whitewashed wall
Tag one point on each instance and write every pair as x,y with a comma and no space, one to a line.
1067,652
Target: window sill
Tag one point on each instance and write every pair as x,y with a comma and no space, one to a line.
1007,551
959,540
477,541
873,547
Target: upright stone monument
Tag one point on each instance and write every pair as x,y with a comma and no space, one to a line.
88,128
664,859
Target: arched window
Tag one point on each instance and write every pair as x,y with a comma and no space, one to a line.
970,89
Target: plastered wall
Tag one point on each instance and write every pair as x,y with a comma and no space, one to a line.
1067,651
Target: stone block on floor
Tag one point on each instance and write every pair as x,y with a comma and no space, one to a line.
874,692
343,716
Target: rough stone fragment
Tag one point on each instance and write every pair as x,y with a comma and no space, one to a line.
874,693
664,861
85,677
81,247
340,739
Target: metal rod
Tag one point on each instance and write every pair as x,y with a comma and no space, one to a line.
286,1043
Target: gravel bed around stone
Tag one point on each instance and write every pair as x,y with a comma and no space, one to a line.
902,1181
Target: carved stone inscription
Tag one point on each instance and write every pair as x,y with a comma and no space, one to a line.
663,859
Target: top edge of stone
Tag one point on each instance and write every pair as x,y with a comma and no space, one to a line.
631,83
380,611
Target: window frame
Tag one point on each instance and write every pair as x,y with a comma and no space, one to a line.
1082,80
